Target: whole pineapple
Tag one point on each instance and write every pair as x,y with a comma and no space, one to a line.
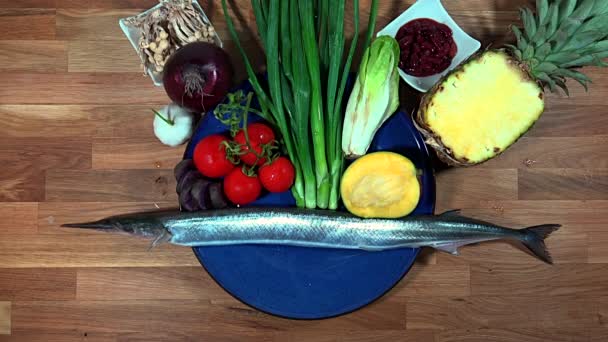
484,106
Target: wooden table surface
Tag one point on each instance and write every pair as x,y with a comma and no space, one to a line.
76,143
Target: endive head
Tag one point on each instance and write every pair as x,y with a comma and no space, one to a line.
375,96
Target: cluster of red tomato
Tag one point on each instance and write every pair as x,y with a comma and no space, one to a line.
241,183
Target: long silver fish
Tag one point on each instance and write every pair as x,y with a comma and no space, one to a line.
318,228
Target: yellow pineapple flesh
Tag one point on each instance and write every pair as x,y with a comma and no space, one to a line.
480,109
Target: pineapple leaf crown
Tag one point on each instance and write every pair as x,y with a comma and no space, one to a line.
562,36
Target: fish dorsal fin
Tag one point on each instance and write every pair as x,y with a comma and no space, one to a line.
455,212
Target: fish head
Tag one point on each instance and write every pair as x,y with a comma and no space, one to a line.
139,225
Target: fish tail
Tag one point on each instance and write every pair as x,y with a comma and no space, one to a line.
534,240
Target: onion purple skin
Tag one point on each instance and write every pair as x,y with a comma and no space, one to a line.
200,193
187,202
217,197
182,168
198,76
184,184
197,192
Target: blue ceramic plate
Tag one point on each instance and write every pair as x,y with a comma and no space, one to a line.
311,283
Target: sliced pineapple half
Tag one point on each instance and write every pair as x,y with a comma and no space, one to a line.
484,106
480,109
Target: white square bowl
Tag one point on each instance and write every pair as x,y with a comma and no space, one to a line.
432,9
133,35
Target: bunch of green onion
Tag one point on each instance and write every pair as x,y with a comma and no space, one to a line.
307,70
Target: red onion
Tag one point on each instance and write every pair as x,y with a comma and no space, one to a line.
198,76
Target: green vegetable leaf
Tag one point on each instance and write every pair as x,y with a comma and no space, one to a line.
566,8
542,8
543,51
572,74
601,46
375,95
528,53
539,37
596,23
583,40
562,57
583,11
560,83
575,75
579,62
260,19
601,7
515,51
553,19
545,67
547,80
529,23
522,44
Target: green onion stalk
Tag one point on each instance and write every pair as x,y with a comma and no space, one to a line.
304,43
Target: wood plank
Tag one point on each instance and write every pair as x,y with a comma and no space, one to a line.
122,121
489,27
535,205
80,88
575,220
571,120
21,183
51,215
28,23
219,336
37,284
434,280
92,24
598,247
103,250
102,56
58,121
575,153
46,153
65,335
29,335
18,218
561,184
75,335
358,336
106,4
494,334
134,153
537,280
462,187
427,256
51,121
5,318
110,185
147,283
22,178
33,55
27,4
190,315
504,311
